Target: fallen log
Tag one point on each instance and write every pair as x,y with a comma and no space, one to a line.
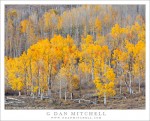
7,103
83,100
10,100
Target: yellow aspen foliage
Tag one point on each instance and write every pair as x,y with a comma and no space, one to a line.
13,69
84,67
50,20
117,54
95,61
105,52
12,13
138,48
139,55
106,83
24,25
88,40
97,83
98,26
136,27
116,31
110,75
130,47
141,35
135,32
17,84
59,25
100,40
106,19
75,82
47,17
35,89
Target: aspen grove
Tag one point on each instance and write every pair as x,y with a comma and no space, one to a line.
66,50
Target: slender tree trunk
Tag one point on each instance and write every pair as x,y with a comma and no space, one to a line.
32,94
49,92
139,84
25,82
41,95
71,95
50,80
60,90
38,81
130,84
120,88
31,79
19,93
105,98
93,33
92,69
39,92
65,95
127,85
95,100
80,88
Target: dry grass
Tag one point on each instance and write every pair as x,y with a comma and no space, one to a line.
135,101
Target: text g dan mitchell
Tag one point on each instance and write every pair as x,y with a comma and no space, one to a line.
79,113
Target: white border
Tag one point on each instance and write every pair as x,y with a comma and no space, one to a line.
42,114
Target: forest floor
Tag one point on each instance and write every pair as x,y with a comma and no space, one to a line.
134,101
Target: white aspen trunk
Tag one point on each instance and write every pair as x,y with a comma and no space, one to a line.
65,96
39,93
80,87
19,93
104,92
92,74
120,88
52,32
139,85
105,98
92,69
31,94
93,32
60,90
130,85
49,93
86,76
41,96
71,96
